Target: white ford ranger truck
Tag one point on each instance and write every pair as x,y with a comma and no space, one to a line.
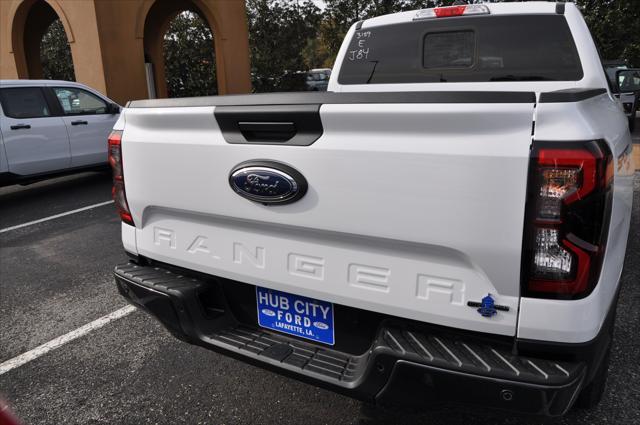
448,222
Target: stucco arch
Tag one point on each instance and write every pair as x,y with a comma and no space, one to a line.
152,21
110,57
25,44
145,6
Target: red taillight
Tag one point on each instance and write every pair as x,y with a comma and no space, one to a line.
444,12
568,208
118,192
450,11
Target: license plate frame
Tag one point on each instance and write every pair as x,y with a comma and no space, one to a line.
295,315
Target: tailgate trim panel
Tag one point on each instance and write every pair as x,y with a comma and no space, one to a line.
317,98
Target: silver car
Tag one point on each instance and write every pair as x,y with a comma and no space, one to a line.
50,127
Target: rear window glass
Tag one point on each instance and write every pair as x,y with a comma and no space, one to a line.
463,49
454,49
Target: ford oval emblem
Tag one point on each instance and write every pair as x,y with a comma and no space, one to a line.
320,325
268,312
267,182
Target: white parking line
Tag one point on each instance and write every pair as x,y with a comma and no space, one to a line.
61,340
7,229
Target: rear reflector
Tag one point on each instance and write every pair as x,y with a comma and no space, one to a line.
568,208
551,260
451,11
118,192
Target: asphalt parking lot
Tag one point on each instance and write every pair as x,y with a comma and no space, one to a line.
55,277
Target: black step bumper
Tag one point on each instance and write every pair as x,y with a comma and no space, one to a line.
402,366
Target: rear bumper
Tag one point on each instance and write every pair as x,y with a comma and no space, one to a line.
403,365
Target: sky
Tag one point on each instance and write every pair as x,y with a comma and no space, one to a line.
319,3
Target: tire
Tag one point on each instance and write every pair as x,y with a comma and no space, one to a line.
591,395
632,123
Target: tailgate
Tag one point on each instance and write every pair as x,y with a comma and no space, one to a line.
412,209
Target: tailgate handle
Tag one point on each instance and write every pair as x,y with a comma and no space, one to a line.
278,124
267,131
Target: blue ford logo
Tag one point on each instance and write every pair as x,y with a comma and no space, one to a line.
267,182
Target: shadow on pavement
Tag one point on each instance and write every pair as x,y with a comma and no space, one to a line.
19,204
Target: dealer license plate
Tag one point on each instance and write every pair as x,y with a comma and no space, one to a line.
295,315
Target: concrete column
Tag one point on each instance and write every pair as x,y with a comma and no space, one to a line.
8,68
229,19
122,48
85,44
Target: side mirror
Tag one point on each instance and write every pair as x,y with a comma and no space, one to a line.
113,108
628,80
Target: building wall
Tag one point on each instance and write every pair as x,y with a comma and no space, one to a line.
107,39
123,51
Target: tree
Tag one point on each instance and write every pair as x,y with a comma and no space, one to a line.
339,15
55,54
189,57
279,33
615,26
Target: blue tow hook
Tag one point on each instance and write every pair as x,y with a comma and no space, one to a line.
488,307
